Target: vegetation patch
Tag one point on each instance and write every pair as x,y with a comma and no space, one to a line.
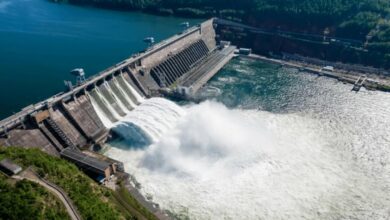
92,201
28,200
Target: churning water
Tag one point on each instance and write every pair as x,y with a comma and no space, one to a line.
269,143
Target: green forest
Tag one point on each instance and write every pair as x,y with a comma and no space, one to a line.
347,18
365,21
27,200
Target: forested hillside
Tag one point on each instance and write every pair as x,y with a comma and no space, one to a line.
349,18
367,21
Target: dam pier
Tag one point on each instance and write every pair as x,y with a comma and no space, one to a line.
80,118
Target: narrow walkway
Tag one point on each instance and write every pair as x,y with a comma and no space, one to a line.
31,176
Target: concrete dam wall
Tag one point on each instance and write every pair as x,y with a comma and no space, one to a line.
81,117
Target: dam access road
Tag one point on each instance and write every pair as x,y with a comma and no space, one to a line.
371,81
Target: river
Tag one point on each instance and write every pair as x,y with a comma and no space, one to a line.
270,142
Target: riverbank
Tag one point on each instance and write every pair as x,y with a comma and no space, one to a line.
373,81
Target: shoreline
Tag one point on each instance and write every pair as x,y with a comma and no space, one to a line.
373,81
127,183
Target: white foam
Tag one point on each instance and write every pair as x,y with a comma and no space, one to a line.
235,164
154,116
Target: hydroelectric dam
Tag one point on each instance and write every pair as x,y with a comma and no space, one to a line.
81,118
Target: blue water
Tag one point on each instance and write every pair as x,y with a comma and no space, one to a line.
40,42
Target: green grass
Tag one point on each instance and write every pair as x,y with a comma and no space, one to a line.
28,200
92,201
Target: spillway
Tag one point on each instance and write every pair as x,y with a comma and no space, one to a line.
124,110
155,117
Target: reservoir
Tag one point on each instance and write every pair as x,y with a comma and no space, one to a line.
40,42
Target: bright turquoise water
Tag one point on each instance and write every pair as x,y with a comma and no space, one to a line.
40,42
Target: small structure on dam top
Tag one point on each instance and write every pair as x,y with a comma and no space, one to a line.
149,40
72,119
80,75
